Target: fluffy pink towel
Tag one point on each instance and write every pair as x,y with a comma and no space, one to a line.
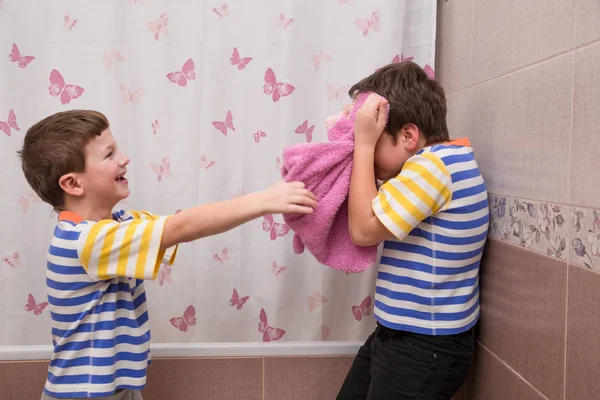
325,169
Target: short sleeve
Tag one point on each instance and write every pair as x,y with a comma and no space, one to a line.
129,246
422,188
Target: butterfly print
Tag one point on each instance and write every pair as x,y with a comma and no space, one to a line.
365,25
223,126
429,71
335,94
112,55
14,260
155,126
131,97
315,299
259,134
222,256
319,57
159,26
58,87
304,129
325,332
187,73
400,58
222,11
236,301
363,309
278,269
24,200
269,333
204,163
240,62
188,319
164,274
70,23
11,122
1,5
163,169
15,56
342,2
285,22
275,229
278,165
277,89
32,306
239,193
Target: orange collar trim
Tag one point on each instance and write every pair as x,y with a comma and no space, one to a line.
69,216
460,142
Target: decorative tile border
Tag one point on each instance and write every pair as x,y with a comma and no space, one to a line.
558,231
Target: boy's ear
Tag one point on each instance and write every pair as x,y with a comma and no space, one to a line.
70,184
410,136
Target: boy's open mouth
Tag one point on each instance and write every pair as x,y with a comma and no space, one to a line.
121,177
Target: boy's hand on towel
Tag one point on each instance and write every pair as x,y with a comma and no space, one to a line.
370,121
288,198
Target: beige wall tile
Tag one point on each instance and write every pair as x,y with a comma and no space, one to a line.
523,297
583,341
493,380
510,34
585,152
520,126
588,27
453,48
459,115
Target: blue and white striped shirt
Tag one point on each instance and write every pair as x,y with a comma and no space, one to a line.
94,279
437,209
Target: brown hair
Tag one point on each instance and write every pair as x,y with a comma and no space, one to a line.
413,98
55,146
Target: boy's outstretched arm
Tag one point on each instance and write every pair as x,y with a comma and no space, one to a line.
364,226
214,218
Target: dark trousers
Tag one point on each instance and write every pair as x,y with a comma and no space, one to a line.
398,365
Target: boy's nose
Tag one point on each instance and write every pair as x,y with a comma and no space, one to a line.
125,160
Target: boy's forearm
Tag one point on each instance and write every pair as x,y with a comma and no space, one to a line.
211,219
362,192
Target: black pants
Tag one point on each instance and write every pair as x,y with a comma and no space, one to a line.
398,365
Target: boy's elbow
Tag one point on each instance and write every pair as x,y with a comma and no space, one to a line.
358,238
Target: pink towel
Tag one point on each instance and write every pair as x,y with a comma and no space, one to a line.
325,169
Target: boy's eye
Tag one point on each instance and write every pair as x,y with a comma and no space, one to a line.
109,155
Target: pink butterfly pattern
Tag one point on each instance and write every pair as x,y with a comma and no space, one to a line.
188,319
335,93
32,306
239,193
11,122
164,274
315,299
277,269
429,71
325,330
110,56
69,23
275,229
159,26
25,200
236,301
15,56
222,11
258,135
269,333
187,73
277,89
162,169
278,164
58,87
204,163
13,260
285,22
363,309
304,129
222,256
365,25
131,96
320,57
223,126
155,125
237,60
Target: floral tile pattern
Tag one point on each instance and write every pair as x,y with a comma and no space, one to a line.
540,227
585,238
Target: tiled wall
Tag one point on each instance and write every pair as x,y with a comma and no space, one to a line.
522,79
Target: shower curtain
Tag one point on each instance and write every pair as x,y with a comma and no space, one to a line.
203,96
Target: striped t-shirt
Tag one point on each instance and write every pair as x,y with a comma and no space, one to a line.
437,209
97,301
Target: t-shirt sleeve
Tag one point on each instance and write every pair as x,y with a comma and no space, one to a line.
129,247
422,188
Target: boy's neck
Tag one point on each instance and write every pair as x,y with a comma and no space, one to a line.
87,211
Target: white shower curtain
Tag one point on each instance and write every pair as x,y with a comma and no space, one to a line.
183,85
